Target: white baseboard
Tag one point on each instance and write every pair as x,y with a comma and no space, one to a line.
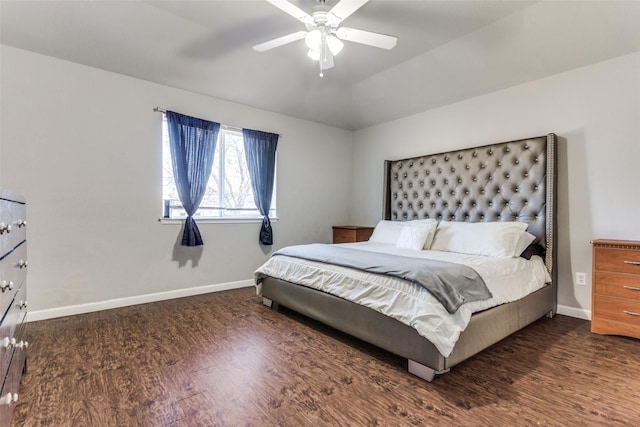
71,310
580,313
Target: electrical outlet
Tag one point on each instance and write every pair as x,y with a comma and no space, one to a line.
581,279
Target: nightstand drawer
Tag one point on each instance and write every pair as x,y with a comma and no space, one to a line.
618,309
344,236
351,233
618,260
617,285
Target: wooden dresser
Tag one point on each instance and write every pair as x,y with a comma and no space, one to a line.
616,288
351,233
13,303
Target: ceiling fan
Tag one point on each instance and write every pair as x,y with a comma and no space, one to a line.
324,35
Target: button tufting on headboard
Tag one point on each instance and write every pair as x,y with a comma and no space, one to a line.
499,182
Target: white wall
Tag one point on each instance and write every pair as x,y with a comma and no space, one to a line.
84,147
595,110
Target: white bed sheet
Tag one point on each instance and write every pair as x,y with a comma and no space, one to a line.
508,279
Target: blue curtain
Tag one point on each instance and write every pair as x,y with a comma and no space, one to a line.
260,152
193,143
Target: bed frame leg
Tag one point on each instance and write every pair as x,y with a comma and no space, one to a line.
424,372
550,314
270,303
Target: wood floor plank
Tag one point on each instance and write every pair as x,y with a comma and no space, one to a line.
223,359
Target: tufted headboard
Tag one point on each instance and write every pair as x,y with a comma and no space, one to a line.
509,181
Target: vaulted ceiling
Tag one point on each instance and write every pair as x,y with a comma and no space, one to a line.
447,51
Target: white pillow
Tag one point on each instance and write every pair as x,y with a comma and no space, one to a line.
417,236
430,224
523,243
495,239
386,232
389,231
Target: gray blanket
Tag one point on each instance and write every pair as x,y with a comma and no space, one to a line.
451,284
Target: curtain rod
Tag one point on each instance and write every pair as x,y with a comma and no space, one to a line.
229,127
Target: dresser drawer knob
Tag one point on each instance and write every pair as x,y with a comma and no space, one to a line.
22,344
631,288
21,223
4,285
23,264
8,342
631,313
9,398
632,262
23,304
5,228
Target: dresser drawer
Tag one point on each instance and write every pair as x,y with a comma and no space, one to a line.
9,395
618,309
12,275
12,225
617,285
618,260
10,327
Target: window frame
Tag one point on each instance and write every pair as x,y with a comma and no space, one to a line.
219,161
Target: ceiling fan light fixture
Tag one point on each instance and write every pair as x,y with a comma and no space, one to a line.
314,53
313,39
335,45
342,32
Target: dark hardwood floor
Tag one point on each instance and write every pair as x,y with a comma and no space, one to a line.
224,359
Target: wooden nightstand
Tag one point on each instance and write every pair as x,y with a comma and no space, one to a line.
616,288
351,233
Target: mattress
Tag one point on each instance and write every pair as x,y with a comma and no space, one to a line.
508,279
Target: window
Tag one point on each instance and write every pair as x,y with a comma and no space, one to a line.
228,195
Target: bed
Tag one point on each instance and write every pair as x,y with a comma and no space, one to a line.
503,182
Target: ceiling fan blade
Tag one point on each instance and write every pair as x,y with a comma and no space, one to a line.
292,10
382,41
289,38
345,8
